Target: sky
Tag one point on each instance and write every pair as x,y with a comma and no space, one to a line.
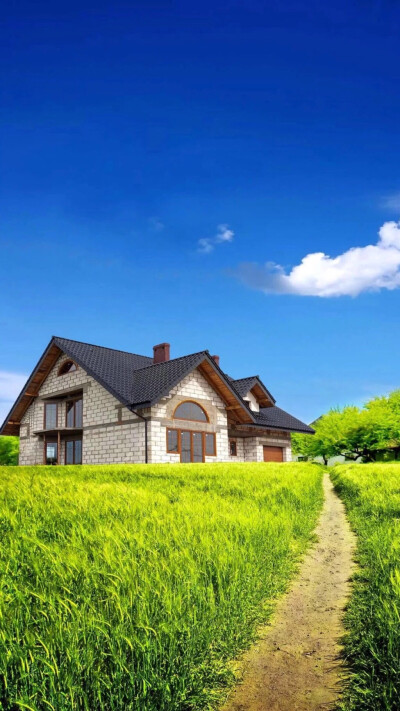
218,175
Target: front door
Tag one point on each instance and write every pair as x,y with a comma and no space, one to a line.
51,453
192,449
273,454
73,451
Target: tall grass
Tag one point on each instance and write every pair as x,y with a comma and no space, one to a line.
130,588
372,496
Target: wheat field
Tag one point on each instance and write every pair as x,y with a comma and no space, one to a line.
132,587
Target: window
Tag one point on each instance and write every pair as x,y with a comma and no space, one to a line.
67,367
173,441
50,415
74,413
190,411
233,447
73,451
51,452
210,444
192,446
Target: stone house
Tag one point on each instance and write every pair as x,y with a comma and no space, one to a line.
94,405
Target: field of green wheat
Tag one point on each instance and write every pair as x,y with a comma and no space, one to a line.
131,588
372,496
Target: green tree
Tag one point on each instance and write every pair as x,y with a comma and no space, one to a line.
351,432
9,449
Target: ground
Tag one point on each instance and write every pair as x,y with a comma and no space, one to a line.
296,664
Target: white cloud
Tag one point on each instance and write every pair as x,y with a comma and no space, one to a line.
370,268
223,234
11,385
392,202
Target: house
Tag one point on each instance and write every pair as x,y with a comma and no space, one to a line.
94,405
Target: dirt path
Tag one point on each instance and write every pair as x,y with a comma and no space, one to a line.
295,666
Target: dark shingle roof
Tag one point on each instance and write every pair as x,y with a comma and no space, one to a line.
113,369
275,418
150,384
244,385
134,379
137,382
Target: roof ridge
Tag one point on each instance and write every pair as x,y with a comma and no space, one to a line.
171,360
247,377
106,348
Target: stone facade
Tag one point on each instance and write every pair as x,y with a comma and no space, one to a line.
113,434
193,387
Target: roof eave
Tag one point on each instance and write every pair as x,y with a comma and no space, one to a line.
309,431
203,356
18,400
92,374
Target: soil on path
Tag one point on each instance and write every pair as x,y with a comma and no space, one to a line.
296,665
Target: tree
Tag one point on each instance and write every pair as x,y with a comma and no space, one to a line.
9,449
351,432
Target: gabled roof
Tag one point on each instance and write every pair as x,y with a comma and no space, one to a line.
244,385
275,418
137,382
111,368
132,379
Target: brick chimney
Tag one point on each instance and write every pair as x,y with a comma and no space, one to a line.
216,358
161,353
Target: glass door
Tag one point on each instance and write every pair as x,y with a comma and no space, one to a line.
51,452
192,446
73,451
186,447
197,448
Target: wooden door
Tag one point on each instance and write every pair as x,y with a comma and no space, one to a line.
273,454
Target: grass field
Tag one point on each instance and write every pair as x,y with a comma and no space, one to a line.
130,587
372,496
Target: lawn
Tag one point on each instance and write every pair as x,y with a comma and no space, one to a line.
131,587
372,497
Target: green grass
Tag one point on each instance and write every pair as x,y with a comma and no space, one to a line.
131,588
372,496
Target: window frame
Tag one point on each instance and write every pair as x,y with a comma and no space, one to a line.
62,371
233,441
73,440
46,404
213,435
45,444
174,451
186,419
203,436
74,400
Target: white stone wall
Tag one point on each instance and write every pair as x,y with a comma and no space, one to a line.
111,433
192,387
239,449
253,402
279,439
250,449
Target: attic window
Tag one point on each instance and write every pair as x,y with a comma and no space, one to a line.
67,367
190,410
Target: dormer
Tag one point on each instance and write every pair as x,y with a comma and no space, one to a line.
254,393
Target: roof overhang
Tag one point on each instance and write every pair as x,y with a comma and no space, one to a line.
31,389
262,395
236,408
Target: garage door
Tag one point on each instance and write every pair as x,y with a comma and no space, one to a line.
273,454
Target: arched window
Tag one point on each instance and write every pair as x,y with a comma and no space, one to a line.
190,410
67,367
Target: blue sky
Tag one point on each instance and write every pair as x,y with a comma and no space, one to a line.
136,137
